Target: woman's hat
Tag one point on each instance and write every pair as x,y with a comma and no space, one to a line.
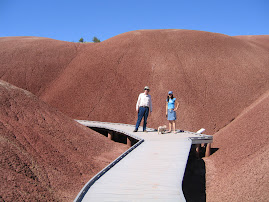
170,92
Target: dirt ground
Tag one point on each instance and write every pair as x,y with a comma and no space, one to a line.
238,171
45,155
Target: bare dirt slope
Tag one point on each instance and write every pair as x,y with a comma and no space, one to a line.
238,171
213,76
221,83
32,63
44,154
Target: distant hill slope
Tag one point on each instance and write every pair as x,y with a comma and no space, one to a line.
238,171
32,63
213,76
46,156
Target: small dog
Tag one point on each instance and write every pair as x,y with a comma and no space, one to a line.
161,129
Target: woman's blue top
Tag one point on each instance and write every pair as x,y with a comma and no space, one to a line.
171,103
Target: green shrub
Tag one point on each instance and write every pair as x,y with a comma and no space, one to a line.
96,40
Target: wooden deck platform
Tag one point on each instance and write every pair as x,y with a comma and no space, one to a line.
151,170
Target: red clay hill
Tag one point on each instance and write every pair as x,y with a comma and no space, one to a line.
45,155
213,76
221,83
238,171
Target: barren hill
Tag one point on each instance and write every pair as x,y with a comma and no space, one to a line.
45,155
221,83
214,76
238,171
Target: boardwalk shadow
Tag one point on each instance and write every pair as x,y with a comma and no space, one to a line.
194,180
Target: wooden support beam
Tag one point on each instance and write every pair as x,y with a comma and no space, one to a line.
207,151
110,135
129,141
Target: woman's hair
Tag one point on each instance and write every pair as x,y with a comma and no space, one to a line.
169,98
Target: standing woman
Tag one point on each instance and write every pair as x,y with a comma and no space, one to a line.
171,108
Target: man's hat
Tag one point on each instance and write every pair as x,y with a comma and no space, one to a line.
146,88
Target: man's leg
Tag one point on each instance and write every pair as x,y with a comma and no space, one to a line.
140,116
145,118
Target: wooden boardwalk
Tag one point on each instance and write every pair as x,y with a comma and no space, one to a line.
152,170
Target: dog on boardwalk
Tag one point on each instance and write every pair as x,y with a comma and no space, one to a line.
161,129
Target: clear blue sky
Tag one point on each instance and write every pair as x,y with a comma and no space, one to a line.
69,20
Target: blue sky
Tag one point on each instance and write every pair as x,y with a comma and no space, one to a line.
69,20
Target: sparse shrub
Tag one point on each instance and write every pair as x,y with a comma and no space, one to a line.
81,40
96,40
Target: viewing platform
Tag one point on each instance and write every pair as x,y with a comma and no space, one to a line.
151,170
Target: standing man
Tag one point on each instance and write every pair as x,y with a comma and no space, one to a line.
143,107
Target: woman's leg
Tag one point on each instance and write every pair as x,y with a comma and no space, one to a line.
170,126
174,126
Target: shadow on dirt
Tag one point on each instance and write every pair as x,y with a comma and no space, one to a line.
194,181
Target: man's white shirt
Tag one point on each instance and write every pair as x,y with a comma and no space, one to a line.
144,101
